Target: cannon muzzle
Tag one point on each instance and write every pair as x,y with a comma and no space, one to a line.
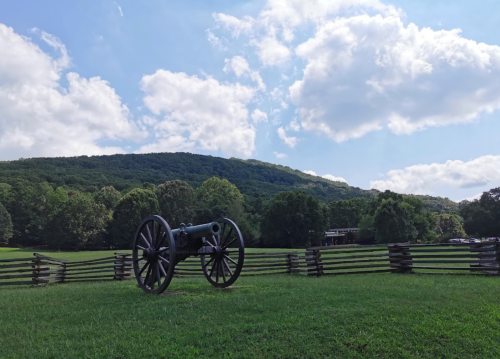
202,230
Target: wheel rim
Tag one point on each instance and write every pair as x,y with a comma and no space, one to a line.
223,267
153,255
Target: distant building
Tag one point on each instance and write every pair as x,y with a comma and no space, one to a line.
339,236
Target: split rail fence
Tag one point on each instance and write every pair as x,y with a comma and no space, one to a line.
474,258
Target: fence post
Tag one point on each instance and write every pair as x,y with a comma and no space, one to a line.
400,258
314,263
36,265
488,258
41,269
123,266
61,272
293,263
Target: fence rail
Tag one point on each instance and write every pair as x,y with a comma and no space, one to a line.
474,258
41,269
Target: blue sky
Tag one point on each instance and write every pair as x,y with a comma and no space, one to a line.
381,94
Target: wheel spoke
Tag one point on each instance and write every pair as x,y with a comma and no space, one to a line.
228,235
164,260
158,274
149,235
145,240
222,272
142,270
221,233
147,278
206,241
140,247
231,260
207,263
217,273
235,238
160,241
227,266
163,270
212,269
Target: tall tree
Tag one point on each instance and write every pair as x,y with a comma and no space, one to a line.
176,200
108,196
129,212
78,223
292,219
449,226
219,197
393,222
6,228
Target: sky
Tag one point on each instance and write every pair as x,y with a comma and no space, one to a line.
379,94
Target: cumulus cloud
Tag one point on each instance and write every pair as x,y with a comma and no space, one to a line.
259,116
274,28
41,117
207,114
289,141
280,155
327,176
425,178
365,70
240,67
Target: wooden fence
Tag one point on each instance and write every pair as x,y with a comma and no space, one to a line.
477,258
42,269
473,258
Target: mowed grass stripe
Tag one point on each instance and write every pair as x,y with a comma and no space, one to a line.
379,315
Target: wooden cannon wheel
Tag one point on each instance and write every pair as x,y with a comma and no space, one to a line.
154,255
223,266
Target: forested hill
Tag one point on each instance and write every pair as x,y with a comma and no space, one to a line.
124,172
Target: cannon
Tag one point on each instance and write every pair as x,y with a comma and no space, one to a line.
157,249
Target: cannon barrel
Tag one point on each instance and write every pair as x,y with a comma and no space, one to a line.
202,230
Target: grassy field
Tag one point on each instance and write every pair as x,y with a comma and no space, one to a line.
355,316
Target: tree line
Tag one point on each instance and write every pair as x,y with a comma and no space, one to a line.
62,218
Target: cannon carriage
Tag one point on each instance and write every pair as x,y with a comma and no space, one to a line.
157,249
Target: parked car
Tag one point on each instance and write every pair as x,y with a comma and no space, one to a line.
457,240
474,240
492,239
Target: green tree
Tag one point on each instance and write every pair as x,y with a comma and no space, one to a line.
292,219
78,223
220,197
366,227
176,200
6,228
129,212
347,213
108,196
448,226
393,222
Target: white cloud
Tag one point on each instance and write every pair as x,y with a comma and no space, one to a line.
473,198
214,40
280,155
327,176
425,178
271,52
334,178
41,117
209,115
366,72
240,67
119,8
274,27
259,116
278,96
289,141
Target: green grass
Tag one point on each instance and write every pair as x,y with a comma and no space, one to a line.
354,316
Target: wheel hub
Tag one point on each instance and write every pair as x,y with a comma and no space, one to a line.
149,254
